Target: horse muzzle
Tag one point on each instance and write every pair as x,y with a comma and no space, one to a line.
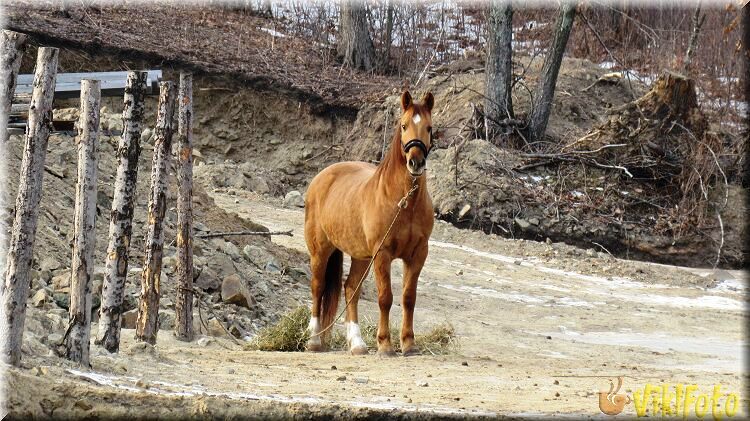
416,165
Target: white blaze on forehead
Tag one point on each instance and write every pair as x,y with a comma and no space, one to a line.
416,119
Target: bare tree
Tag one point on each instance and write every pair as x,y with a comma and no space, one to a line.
355,46
84,231
11,52
184,303
697,23
21,246
121,220
147,325
545,92
498,105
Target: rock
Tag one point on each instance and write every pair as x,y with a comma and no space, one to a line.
146,134
534,221
230,249
257,256
459,272
208,280
61,281
222,264
166,320
294,199
300,274
341,378
53,339
205,341
234,291
40,371
83,404
273,266
521,223
464,211
361,380
49,263
215,328
62,300
128,319
40,298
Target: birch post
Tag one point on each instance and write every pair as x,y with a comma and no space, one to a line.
184,303
147,325
21,245
121,219
10,61
84,231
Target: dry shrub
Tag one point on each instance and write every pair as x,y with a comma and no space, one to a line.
290,335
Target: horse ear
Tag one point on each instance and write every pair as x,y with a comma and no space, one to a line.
405,100
428,101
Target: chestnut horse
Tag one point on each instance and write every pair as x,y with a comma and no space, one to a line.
348,209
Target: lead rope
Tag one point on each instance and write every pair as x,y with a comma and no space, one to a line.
402,204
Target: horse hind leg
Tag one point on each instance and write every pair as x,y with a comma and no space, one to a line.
318,264
354,339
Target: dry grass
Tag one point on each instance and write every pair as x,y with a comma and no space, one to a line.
290,334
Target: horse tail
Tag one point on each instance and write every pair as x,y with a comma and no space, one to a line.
332,290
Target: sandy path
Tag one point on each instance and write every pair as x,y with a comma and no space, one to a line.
540,333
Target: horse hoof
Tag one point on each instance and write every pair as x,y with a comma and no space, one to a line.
412,352
388,353
359,350
314,347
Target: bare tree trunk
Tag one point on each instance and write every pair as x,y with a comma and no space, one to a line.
693,42
84,232
21,246
355,45
147,325
548,79
10,61
184,304
388,40
121,220
498,105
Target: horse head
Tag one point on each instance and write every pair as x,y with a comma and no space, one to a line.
416,132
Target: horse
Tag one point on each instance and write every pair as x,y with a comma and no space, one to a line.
349,207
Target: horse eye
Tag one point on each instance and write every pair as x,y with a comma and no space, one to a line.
403,127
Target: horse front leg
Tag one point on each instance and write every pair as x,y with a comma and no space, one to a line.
382,266
412,269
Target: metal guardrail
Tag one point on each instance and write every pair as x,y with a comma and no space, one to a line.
68,85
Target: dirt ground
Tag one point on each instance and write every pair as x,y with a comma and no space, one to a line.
542,328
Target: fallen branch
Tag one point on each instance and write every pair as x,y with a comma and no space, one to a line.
235,233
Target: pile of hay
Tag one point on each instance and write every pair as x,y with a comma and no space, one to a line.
290,334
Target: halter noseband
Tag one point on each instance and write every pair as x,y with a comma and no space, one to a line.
418,143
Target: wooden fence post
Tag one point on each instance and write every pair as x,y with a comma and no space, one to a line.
10,61
184,303
147,325
84,231
121,220
21,245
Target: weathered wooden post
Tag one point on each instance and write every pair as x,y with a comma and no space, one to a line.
121,222
184,303
21,245
147,325
10,61
84,231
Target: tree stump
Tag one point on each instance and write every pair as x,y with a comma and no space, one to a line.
82,266
121,222
21,245
147,325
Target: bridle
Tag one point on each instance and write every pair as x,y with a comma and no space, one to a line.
419,144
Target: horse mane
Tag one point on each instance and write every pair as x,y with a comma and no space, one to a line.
393,156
